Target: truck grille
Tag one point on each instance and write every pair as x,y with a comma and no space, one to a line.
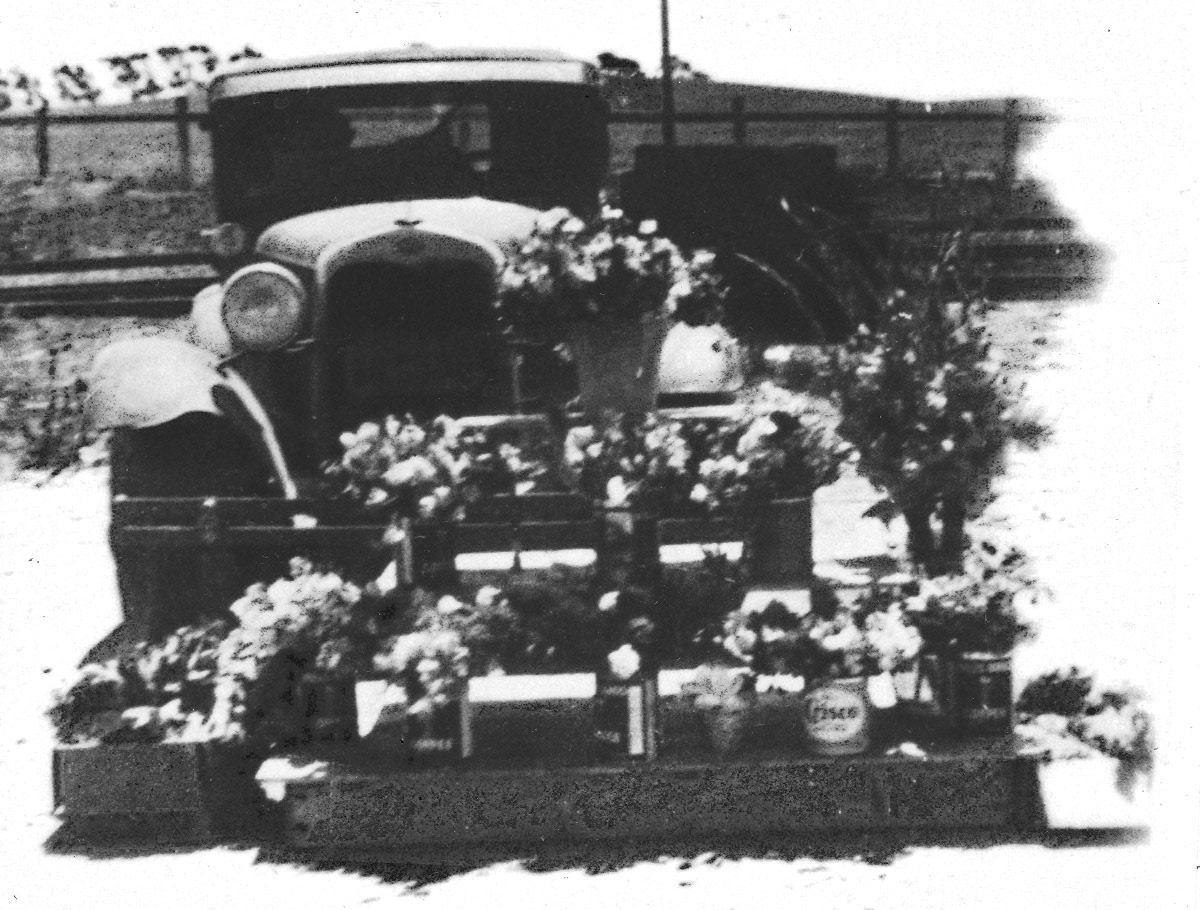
420,340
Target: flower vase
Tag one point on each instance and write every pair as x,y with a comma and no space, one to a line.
980,693
725,726
627,548
923,692
626,716
778,543
837,717
617,362
435,551
328,707
444,731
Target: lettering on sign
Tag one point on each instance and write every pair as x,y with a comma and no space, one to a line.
834,715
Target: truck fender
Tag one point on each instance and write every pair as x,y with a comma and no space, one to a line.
144,382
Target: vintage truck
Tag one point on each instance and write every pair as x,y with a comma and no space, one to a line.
368,202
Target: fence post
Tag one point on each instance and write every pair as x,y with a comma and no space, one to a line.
1012,136
737,115
892,127
41,139
183,133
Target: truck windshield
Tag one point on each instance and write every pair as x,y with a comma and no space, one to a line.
298,151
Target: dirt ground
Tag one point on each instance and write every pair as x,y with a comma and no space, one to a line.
1098,509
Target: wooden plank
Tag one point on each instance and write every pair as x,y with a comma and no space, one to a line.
535,777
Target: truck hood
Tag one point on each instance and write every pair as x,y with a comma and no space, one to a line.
302,240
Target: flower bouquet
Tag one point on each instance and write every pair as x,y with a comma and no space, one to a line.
155,730
721,696
427,476
626,707
302,640
431,666
636,469
845,654
764,467
971,621
609,289
169,691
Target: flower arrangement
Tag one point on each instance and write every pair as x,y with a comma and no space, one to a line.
828,641
1068,713
431,664
631,633
605,268
429,472
170,691
634,462
309,622
984,607
782,445
928,403
717,687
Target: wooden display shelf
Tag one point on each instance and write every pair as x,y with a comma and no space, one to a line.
535,778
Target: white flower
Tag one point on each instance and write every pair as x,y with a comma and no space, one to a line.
947,445
447,605
572,226
616,491
549,220
609,601
847,638
347,440
649,226
700,493
488,596
367,432
624,662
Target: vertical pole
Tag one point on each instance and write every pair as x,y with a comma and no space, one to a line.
892,127
41,139
668,80
738,116
1012,136
183,132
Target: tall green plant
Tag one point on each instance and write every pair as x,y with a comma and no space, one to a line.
928,404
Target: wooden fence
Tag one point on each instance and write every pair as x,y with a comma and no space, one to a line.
737,119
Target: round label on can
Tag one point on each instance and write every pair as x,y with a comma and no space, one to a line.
833,714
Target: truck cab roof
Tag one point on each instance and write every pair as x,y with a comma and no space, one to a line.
407,65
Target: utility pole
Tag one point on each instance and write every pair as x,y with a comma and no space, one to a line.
668,80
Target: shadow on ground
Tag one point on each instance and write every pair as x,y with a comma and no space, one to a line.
419,867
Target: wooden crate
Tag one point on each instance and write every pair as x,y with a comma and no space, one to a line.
155,792
534,778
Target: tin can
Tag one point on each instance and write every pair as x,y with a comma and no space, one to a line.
626,717
981,692
443,733
329,708
837,717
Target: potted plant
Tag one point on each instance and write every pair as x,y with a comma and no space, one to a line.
635,469
845,655
626,702
300,646
431,666
971,621
722,696
928,403
609,289
1096,748
763,467
150,742
426,475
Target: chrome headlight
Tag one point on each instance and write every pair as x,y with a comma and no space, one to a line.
264,306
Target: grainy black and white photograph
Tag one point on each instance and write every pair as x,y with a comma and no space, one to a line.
644,453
